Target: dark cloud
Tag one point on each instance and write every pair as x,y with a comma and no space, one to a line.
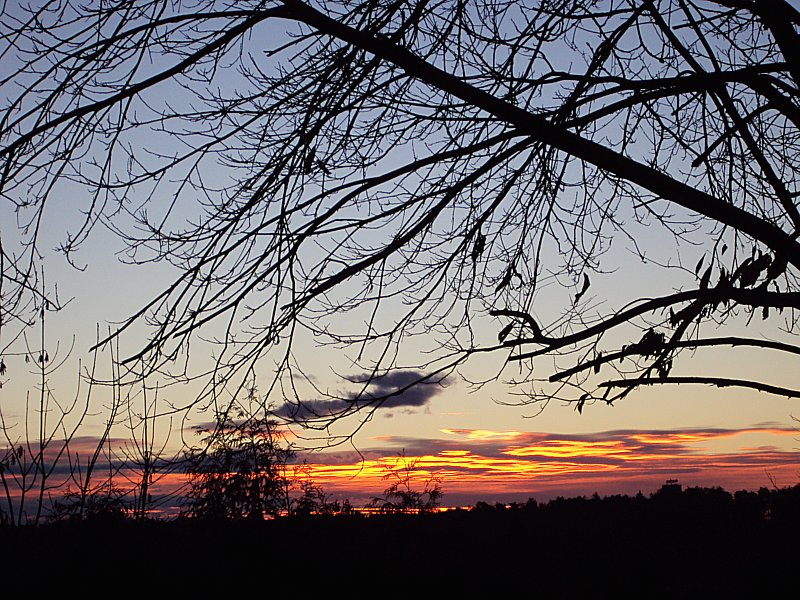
63,462
400,390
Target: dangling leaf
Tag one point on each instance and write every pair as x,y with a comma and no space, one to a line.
704,279
309,161
584,288
478,247
597,364
505,281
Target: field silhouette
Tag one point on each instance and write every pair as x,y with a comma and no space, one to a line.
692,543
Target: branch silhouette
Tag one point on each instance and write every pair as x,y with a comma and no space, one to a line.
360,175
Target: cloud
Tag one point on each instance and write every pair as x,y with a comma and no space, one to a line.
399,390
504,466
66,462
67,468
515,465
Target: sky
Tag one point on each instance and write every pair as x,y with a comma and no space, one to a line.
484,443
481,446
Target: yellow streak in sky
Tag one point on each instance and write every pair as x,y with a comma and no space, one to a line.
518,466
677,438
459,464
483,434
571,449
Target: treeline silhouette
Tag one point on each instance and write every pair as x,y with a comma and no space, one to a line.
688,543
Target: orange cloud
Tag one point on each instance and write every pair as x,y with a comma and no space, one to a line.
479,464
571,448
483,464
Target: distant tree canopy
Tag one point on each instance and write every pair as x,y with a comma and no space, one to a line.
370,171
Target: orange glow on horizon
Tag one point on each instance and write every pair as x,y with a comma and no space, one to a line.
491,465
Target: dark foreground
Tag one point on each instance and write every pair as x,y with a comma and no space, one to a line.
692,544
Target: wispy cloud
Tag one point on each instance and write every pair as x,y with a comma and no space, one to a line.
506,465
407,389
481,464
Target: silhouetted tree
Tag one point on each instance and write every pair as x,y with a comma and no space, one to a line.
36,459
240,471
147,462
428,166
314,501
411,490
107,502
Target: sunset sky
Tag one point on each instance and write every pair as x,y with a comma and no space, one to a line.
514,466
474,430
